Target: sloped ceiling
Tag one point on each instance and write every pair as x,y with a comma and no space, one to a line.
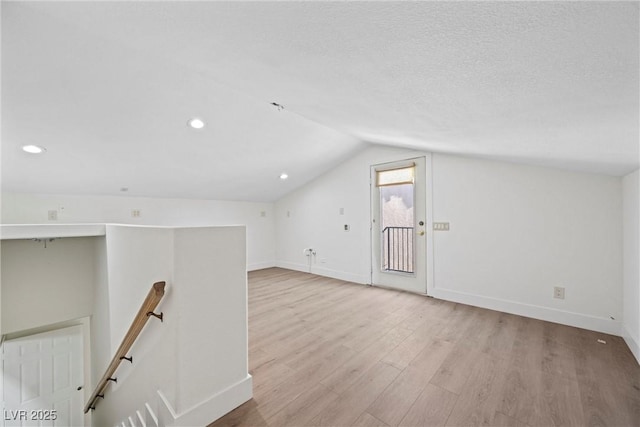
107,88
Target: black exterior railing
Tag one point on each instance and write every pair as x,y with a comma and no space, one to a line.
397,249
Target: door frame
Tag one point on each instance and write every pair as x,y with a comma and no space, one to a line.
429,243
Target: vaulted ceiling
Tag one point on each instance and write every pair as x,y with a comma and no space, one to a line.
107,88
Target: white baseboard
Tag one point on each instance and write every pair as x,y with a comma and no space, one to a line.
327,272
593,323
293,266
341,275
210,409
261,265
632,342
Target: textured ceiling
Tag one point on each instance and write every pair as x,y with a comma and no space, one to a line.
108,86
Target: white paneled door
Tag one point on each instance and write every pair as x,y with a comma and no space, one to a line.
41,377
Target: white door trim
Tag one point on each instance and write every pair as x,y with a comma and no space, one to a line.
428,179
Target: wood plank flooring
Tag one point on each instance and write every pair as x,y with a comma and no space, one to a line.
325,352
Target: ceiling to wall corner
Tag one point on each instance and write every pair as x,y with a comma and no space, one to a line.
107,88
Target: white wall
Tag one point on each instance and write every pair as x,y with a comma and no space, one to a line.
192,367
100,324
516,232
137,257
20,208
631,288
33,276
213,340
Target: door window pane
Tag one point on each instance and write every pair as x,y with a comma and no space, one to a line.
397,221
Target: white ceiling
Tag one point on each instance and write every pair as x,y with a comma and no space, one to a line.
107,87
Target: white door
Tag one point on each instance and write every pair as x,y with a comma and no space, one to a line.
41,376
398,225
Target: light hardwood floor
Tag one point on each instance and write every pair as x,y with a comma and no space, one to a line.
329,352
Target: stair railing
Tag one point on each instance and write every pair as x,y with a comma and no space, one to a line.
146,310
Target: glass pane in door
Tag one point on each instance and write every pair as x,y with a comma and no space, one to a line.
397,221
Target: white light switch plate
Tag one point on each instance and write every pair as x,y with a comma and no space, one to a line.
441,226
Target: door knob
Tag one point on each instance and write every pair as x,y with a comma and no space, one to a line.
421,232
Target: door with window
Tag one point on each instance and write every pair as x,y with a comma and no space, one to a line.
398,225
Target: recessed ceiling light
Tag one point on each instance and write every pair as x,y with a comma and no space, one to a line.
196,123
284,176
33,149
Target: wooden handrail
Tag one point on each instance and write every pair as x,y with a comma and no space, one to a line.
146,310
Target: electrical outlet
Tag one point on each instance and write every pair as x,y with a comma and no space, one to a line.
135,213
341,211
346,227
52,215
558,292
